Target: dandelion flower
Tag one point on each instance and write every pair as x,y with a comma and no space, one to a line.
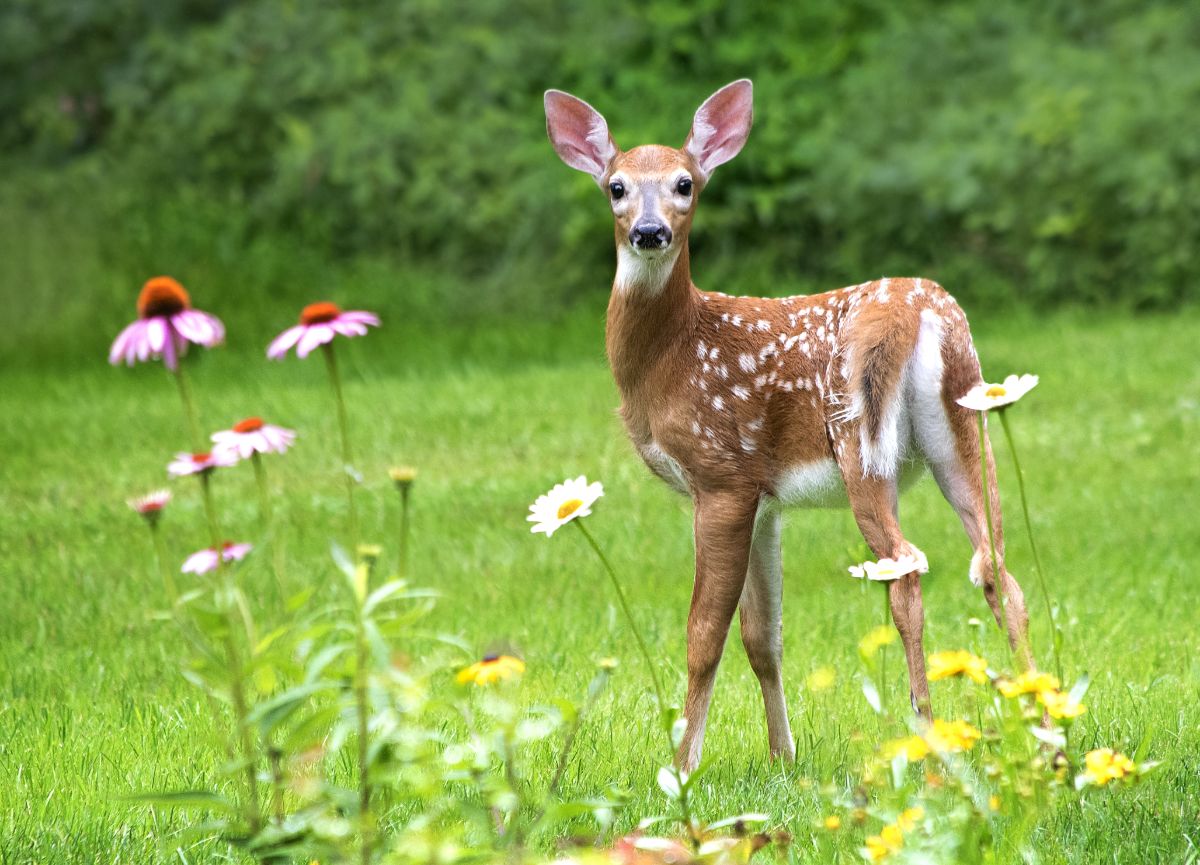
833,822
166,324
319,324
1105,764
568,500
402,476
913,748
886,570
889,840
251,436
821,679
1060,705
203,561
200,463
909,817
948,737
876,639
492,668
946,665
985,397
1029,682
151,505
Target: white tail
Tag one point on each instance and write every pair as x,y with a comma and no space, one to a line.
747,403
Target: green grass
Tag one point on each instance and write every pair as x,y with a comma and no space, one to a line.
92,706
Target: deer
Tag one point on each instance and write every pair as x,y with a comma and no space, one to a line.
749,405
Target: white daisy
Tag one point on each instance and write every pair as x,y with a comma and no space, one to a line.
886,570
985,397
568,500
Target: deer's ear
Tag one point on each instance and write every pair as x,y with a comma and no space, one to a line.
579,134
721,125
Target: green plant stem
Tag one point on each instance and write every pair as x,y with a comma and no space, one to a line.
233,658
637,634
405,491
991,537
189,408
160,555
335,382
1037,560
362,659
266,519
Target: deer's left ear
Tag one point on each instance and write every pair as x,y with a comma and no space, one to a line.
721,125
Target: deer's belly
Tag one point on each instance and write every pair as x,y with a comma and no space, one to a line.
811,485
664,465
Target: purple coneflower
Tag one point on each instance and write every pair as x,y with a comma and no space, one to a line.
194,464
319,324
251,436
166,324
150,506
203,561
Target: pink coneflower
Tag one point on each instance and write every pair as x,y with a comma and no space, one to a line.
251,436
194,464
166,324
203,561
319,324
150,506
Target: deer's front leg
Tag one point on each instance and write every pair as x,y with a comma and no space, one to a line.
724,526
761,613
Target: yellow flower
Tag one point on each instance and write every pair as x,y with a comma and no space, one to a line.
993,803
876,638
950,736
908,819
493,668
821,678
889,840
1060,705
944,665
402,476
1029,682
913,748
833,822
1105,764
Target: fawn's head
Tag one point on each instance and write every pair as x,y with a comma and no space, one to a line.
652,189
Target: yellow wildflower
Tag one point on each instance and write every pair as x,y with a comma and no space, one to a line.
908,819
913,748
993,802
950,736
876,639
1029,682
1105,764
1060,705
833,822
821,678
402,476
944,665
492,668
889,840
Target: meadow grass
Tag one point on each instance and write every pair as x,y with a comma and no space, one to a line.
93,707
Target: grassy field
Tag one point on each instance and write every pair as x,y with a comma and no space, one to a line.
92,705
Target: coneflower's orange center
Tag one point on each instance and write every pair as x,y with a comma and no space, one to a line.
201,458
569,507
996,390
162,296
318,313
250,424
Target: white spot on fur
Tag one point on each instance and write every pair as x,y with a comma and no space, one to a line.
718,403
747,362
741,392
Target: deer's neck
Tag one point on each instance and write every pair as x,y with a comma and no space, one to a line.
651,316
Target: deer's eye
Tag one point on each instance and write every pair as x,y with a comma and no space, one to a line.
683,186
617,188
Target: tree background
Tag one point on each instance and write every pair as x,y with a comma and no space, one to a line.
393,155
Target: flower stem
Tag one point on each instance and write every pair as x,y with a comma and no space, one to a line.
361,709
987,513
405,490
335,382
160,555
189,408
266,519
658,691
1037,561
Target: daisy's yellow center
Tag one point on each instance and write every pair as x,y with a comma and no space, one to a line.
319,313
569,507
250,424
162,296
996,390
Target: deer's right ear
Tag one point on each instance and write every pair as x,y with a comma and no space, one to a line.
579,134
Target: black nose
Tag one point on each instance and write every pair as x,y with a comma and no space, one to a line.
650,235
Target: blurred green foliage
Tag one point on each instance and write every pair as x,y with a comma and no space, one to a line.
1042,152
